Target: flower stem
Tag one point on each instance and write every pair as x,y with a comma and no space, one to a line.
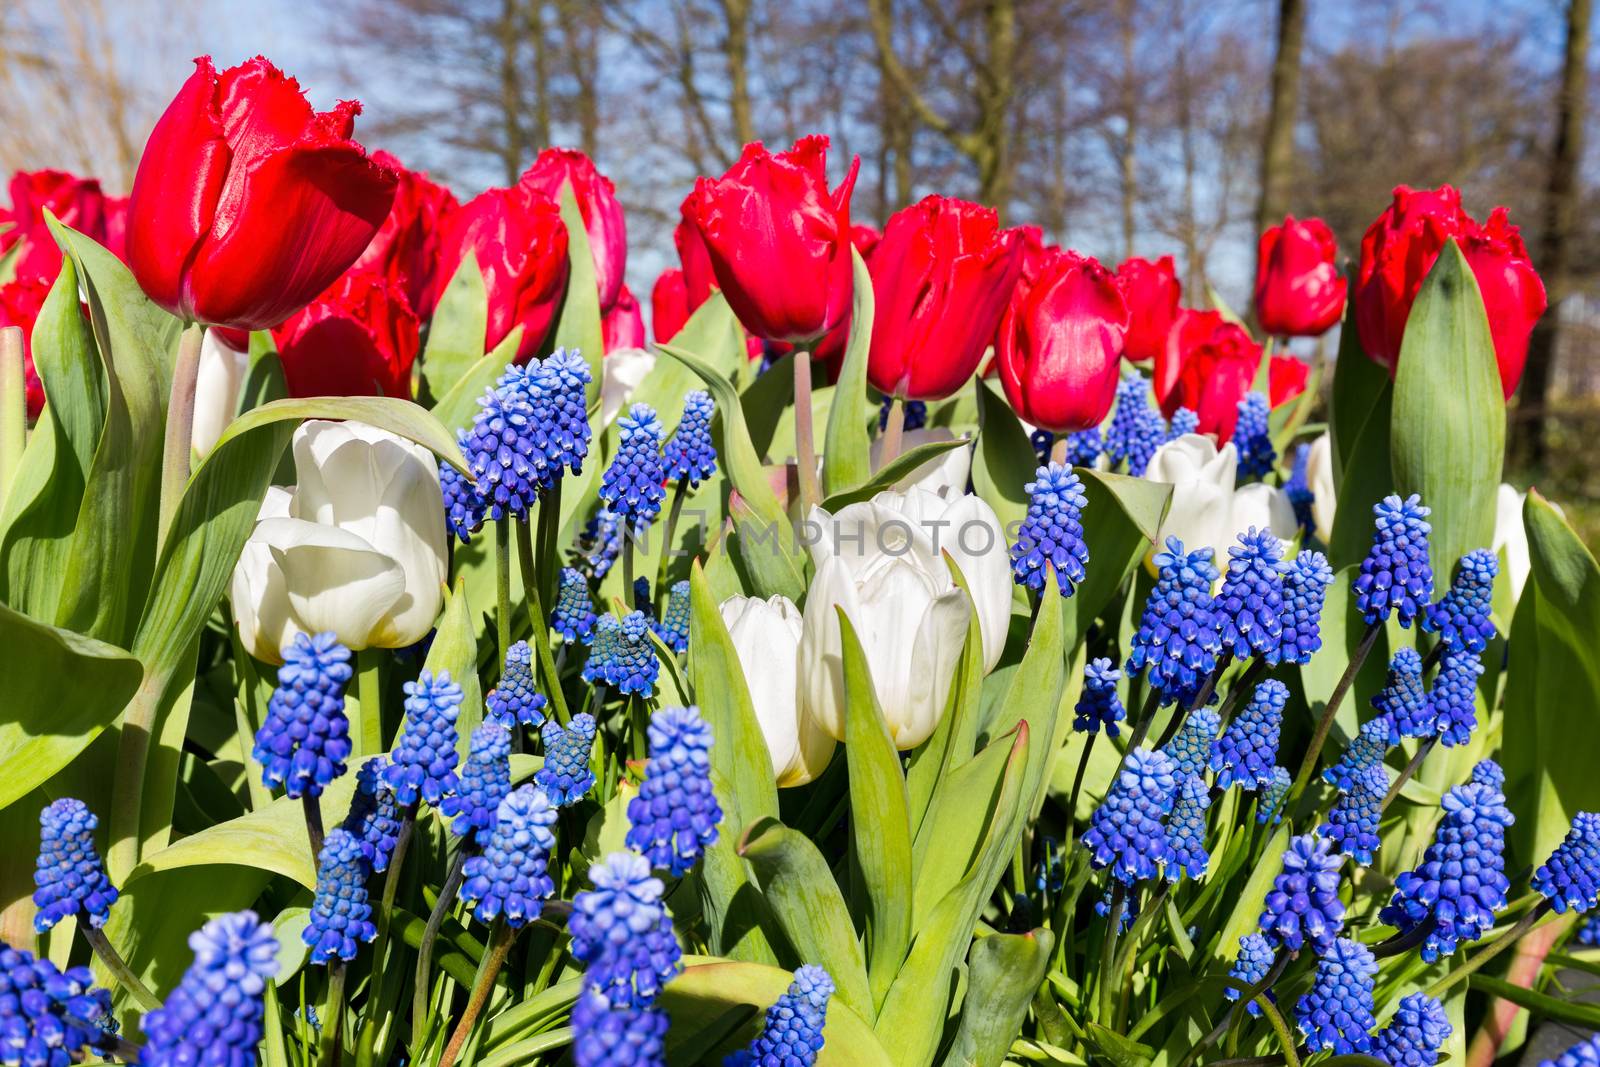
13,405
494,958
1411,769
430,934
893,428
805,448
502,586
541,628
1246,681
119,968
314,833
1077,780
1325,724
680,493
1108,953
549,534
1499,945
180,426
370,693
627,569
333,1017
391,886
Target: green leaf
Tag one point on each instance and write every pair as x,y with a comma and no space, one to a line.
881,827
579,325
958,820
1541,1004
457,407
891,472
1357,384
1119,1050
1003,459
1367,479
1034,696
1448,433
62,689
1246,914
458,333
799,888
847,447
1121,518
1004,972
455,650
712,333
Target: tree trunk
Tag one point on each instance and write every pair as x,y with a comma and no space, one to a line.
1277,147
1127,163
1560,215
996,89
541,74
510,91
581,32
737,13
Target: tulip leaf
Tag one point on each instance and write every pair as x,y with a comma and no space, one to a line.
769,399
712,333
1034,696
1586,1016
578,328
62,689
1003,974
890,473
1358,383
948,841
1003,460
736,913
457,407
454,649
1248,905
1367,480
804,899
1121,518
1118,1050
847,448
953,739
1448,442
458,333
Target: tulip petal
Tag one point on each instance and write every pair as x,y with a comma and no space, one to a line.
977,543
335,581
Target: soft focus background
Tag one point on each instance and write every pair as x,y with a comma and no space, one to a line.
1118,126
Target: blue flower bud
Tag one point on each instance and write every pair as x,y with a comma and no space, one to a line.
573,617
622,934
792,1036
1255,960
1396,575
1186,830
1570,878
425,758
1305,587
1248,752
1452,700
567,775
1303,904
49,1017
510,878
1461,618
374,817
340,911
1052,531
1461,882
485,781
216,1013
1099,705
1190,747
305,739
1415,1035
689,455
1336,1015
1249,608
70,877
1402,699
1177,637
1252,437
1126,832
674,818
622,655
515,701
632,485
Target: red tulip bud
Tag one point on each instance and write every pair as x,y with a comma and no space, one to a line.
1208,366
1151,290
623,325
598,206
1299,288
359,338
406,247
669,305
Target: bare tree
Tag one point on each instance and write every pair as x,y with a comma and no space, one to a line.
1277,145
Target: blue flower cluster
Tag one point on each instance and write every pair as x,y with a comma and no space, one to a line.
1336,1015
500,456
673,629
1585,1053
633,485
622,934
1352,824
340,913
1186,830
1298,489
1248,610
573,617
689,455
69,876
1247,754
617,1036
622,656
1098,705
462,511
1177,635
1396,576
566,776
485,781
792,1036
1083,448
1488,772
49,1016
1461,617
1255,959
1451,701
1402,701
1305,588
914,414
1190,747
674,818
1415,1035
601,542
559,396
514,701
374,816
1184,421
305,739
1304,903
1136,429
1127,832
1363,757
1270,808
1252,438
510,878
424,765
216,1014
1052,531
1570,878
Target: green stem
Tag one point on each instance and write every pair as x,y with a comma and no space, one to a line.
370,692
333,1017
1077,781
549,534
314,832
1246,681
494,958
119,968
430,934
541,625
627,570
805,448
680,493
180,427
1285,1040
1325,724
1499,945
13,406
502,586
1411,768
1108,954
391,886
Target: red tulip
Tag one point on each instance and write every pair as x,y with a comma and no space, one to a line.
406,247
598,206
623,325
698,277
830,350
247,204
76,202
116,240
521,247
359,338
1286,378
1208,366
865,238
1152,292
20,303
941,278
1399,249
1060,344
1299,288
778,240
669,305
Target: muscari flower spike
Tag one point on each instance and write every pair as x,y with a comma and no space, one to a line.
485,781
622,934
1305,587
1136,429
573,617
689,455
1177,636
674,818
1589,933
215,1014
1184,421
1186,830
673,629
510,877
1396,576
1249,608
305,739
1452,698
424,765
1585,1053
1256,957
1250,434
1098,705
1352,823
501,451
622,655
1126,832
632,485
1402,699
514,701
1052,531
1415,1035
463,510
1488,772
1190,747
607,1035
69,875
561,412
374,817
1043,442
1298,489
340,913
1570,878
1303,905
1461,881
1336,1015
792,1036
1273,794
914,415
1083,447
567,775
1363,757
48,1017
1461,617
1245,755
600,543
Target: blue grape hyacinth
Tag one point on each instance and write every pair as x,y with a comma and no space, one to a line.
673,629
1052,531
792,1035
514,701
689,455
561,412
1306,579
1177,636
601,542
622,934
1298,489
567,775
632,486
1363,757
1186,830
485,781
1249,608
1461,617
1136,429
374,817
1396,577
1270,807
305,739
607,1035
1461,882
1098,705
49,1017
1083,448
340,913
622,655
510,878
1488,772
1251,436
1570,878
1190,747
69,875
914,414
1247,753
674,818
1352,823
216,1014
1452,700
1043,442
424,764
1415,1035
573,617
1127,832
1402,699
1303,905
501,453
1184,421
1336,1015
463,509
1585,1053
1255,959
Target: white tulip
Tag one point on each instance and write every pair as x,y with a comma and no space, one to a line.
621,372
1202,478
1264,507
766,637
260,601
944,474
1324,494
221,375
1511,538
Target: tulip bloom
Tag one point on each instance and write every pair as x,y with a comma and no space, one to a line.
247,204
1202,477
406,247
20,304
1511,537
1061,344
830,350
116,240
941,279
1299,288
521,246
1399,249
598,206
669,305
1208,366
623,325
1324,494
778,240
766,638
359,338
1151,290
76,202
699,279
1286,379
